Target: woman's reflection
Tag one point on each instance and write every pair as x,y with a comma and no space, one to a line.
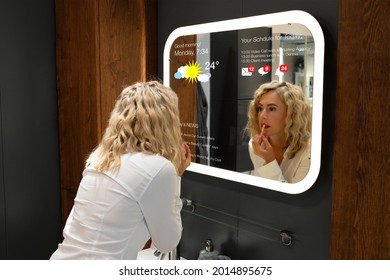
279,124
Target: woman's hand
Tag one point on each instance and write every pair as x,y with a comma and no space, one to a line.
262,148
185,158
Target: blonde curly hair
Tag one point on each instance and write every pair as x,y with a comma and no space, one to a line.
298,120
145,119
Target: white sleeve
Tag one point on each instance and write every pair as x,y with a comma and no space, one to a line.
302,168
271,171
161,206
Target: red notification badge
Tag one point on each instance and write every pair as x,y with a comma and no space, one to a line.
251,68
283,67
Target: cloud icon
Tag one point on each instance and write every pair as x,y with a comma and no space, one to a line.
183,71
178,75
203,78
192,72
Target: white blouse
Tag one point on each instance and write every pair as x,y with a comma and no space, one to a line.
115,213
290,170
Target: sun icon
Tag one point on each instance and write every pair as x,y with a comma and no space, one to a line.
193,70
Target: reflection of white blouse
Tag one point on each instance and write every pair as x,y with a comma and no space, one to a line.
290,170
115,213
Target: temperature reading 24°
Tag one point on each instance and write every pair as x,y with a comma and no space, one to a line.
211,64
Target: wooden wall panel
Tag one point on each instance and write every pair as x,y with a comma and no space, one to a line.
186,92
78,88
102,46
127,47
361,188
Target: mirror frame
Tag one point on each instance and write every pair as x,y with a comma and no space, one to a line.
267,20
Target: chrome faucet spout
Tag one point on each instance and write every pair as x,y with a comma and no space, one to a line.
158,254
174,254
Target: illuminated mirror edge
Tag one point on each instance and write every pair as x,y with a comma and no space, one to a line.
313,26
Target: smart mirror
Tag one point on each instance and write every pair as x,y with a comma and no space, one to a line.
215,69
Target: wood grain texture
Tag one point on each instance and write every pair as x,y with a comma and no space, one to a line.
101,46
186,92
128,52
361,185
78,89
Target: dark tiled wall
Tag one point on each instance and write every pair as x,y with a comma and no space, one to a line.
244,222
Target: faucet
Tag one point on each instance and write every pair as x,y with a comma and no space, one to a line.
158,254
172,255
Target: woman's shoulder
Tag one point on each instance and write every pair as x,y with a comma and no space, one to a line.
139,169
147,161
304,152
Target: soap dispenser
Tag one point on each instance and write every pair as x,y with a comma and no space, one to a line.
208,252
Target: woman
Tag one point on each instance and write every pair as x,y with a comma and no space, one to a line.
279,124
130,190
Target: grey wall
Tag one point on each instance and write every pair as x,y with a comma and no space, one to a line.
30,220
244,222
